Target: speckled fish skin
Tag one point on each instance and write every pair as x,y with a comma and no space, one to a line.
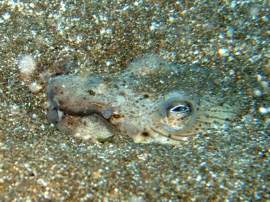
151,101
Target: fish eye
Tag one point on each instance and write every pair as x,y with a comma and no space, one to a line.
177,113
181,110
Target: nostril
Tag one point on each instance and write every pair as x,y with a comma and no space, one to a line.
146,96
91,92
117,119
145,134
116,116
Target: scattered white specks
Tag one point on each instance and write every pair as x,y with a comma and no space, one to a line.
154,26
88,196
223,52
264,84
125,8
34,116
105,31
230,32
198,178
34,33
14,109
264,110
137,3
265,18
136,199
100,18
35,87
221,36
62,6
27,66
32,5
257,93
196,52
255,58
233,4
42,182
47,195
232,72
79,38
172,19
259,77
143,157
203,164
103,18
42,127
6,16
168,55
254,11
109,62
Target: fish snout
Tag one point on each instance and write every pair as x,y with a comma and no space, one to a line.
76,96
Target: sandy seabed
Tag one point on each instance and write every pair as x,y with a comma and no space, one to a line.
39,163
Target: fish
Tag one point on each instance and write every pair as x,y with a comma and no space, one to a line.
151,101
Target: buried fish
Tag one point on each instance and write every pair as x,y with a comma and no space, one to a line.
151,101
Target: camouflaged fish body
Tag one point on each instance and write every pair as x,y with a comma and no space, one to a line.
151,101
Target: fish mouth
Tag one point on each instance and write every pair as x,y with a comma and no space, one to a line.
90,108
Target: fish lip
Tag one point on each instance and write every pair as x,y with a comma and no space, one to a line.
54,109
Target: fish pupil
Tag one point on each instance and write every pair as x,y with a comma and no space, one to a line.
181,109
